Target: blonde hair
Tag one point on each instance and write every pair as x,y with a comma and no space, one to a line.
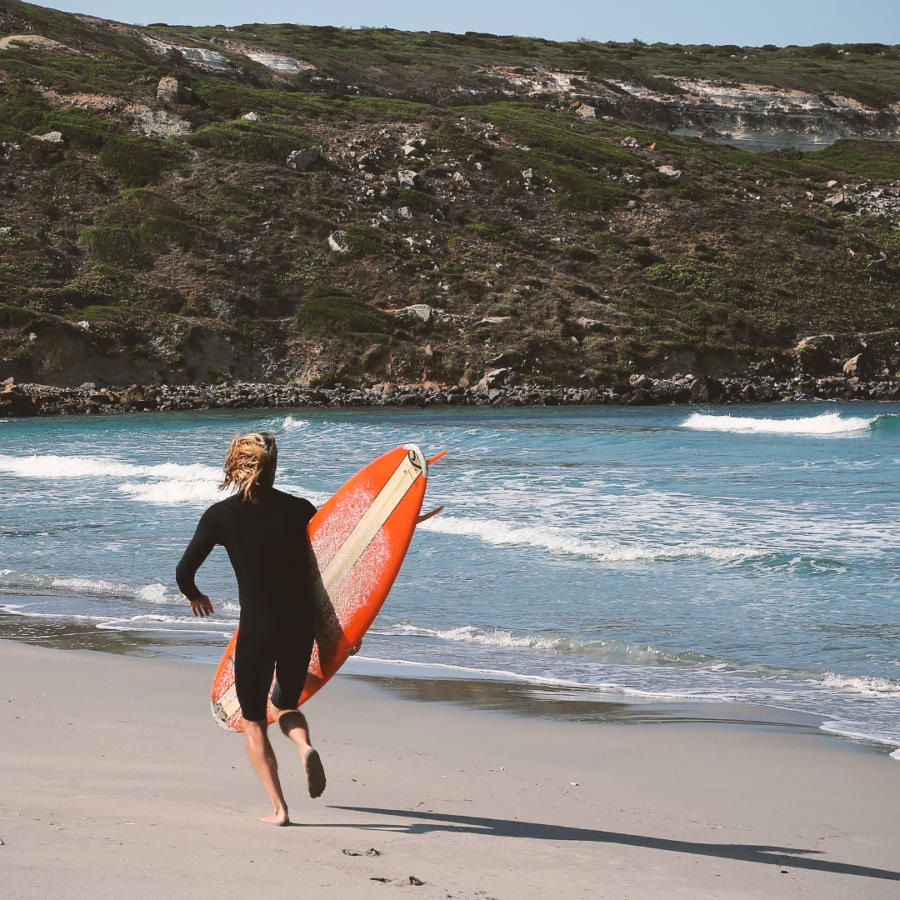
250,464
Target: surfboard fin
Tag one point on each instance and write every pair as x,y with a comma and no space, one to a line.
436,458
428,515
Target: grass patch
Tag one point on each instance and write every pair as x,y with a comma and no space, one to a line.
15,316
138,162
340,315
365,240
416,200
235,199
252,141
868,159
496,233
117,246
569,153
97,314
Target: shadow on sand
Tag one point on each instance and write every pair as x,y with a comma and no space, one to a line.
424,822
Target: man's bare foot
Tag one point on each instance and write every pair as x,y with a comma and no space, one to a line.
279,818
315,773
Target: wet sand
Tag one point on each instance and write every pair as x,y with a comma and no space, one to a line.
114,780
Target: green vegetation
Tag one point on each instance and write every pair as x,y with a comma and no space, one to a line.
365,240
117,246
135,161
138,161
15,316
416,200
569,153
252,141
497,233
235,199
866,159
339,315
97,314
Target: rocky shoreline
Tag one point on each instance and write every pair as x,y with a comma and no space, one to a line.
19,400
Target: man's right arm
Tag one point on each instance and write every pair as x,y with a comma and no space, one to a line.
198,549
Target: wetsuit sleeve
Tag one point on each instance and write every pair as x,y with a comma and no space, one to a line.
198,549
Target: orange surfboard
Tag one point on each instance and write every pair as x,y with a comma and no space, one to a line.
358,539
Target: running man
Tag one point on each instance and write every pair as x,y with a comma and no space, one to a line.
263,531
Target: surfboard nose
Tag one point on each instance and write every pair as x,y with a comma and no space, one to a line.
417,457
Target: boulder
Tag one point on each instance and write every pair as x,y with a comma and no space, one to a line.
171,90
51,137
493,380
838,201
159,122
816,355
304,160
414,147
707,390
532,181
337,241
860,366
419,311
14,401
409,178
670,172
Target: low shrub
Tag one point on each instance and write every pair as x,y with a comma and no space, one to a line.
340,314
117,246
251,141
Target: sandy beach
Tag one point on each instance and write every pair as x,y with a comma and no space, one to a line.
116,781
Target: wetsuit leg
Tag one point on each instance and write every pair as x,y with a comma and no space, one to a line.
254,666
292,664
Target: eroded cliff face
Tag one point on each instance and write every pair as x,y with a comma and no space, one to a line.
749,114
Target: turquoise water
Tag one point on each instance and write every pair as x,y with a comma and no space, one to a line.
650,555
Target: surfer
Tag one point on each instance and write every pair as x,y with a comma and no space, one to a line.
263,529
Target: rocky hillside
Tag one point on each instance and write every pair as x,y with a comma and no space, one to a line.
322,206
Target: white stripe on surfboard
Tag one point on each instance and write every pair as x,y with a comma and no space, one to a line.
348,554
369,525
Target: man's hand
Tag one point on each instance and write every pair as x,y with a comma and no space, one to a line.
202,606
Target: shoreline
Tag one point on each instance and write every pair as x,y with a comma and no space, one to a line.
518,697
498,388
115,772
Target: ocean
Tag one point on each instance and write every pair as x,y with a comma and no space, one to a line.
663,557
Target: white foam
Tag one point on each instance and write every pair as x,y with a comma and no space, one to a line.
52,466
88,586
469,634
169,484
824,424
866,686
495,531
850,731
290,423
172,493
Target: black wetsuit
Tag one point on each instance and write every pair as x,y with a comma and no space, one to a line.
267,546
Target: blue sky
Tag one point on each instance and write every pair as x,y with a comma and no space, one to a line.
673,21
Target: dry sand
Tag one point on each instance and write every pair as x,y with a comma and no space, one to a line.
116,782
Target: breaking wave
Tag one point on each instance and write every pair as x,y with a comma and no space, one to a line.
823,424
495,531
90,587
